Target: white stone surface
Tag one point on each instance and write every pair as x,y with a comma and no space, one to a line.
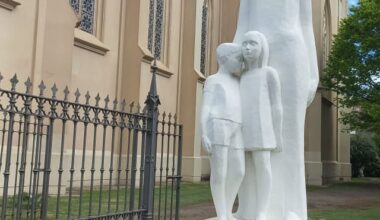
260,92
287,24
221,129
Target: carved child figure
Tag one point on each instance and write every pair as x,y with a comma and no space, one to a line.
262,115
221,122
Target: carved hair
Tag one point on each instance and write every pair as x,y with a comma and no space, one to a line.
225,50
264,56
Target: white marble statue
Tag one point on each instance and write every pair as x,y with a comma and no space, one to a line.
221,122
260,92
287,24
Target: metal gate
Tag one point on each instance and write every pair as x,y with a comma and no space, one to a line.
88,158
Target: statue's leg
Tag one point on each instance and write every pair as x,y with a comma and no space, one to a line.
292,216
235,174
247,191
218,161
263,182
293,164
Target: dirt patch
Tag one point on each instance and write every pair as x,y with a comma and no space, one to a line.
360,195
346,196
202,211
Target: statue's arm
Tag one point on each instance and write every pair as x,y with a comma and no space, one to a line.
276,105
308,35
243,21
205,115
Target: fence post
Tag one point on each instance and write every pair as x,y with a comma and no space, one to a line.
152,102
179,171
7,170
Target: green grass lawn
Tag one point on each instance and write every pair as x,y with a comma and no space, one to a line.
190,194
114,201
194,194
372,213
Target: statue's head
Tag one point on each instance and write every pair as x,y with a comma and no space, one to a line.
255,48
230,56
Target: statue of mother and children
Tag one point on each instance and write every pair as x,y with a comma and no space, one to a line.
253,112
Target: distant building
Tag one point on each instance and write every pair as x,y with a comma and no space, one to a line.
108,46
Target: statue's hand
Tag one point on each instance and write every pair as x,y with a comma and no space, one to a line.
310,97
206,144
312,91
279,145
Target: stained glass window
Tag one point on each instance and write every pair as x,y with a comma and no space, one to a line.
156,27
326,34
75,5
204,33
85,9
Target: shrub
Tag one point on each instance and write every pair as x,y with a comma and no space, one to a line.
365,158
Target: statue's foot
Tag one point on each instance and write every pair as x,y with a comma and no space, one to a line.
231,217
261,216
222,218
238,216
292,216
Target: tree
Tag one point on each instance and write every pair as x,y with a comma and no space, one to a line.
353,69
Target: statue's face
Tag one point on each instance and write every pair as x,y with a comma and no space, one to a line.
234,63
251,48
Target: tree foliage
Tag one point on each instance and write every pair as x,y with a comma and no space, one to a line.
365,156
353,69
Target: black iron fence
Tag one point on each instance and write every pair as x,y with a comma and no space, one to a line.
88,158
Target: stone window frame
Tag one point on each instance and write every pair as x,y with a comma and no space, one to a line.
92,41
9,4
158,33
148,34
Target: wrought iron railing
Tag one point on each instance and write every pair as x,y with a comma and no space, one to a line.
88,158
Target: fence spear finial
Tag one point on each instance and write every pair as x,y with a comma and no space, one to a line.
42,88
97,99
123,104
115,102
106,101
131,107
77,95
14,82
54,91
87,96
66,93
153,98
170,117
28,85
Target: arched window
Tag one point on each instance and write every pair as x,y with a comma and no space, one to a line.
326,33
85,10
156,27
202,37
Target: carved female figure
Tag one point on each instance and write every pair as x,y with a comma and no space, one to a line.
260,92
287,24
